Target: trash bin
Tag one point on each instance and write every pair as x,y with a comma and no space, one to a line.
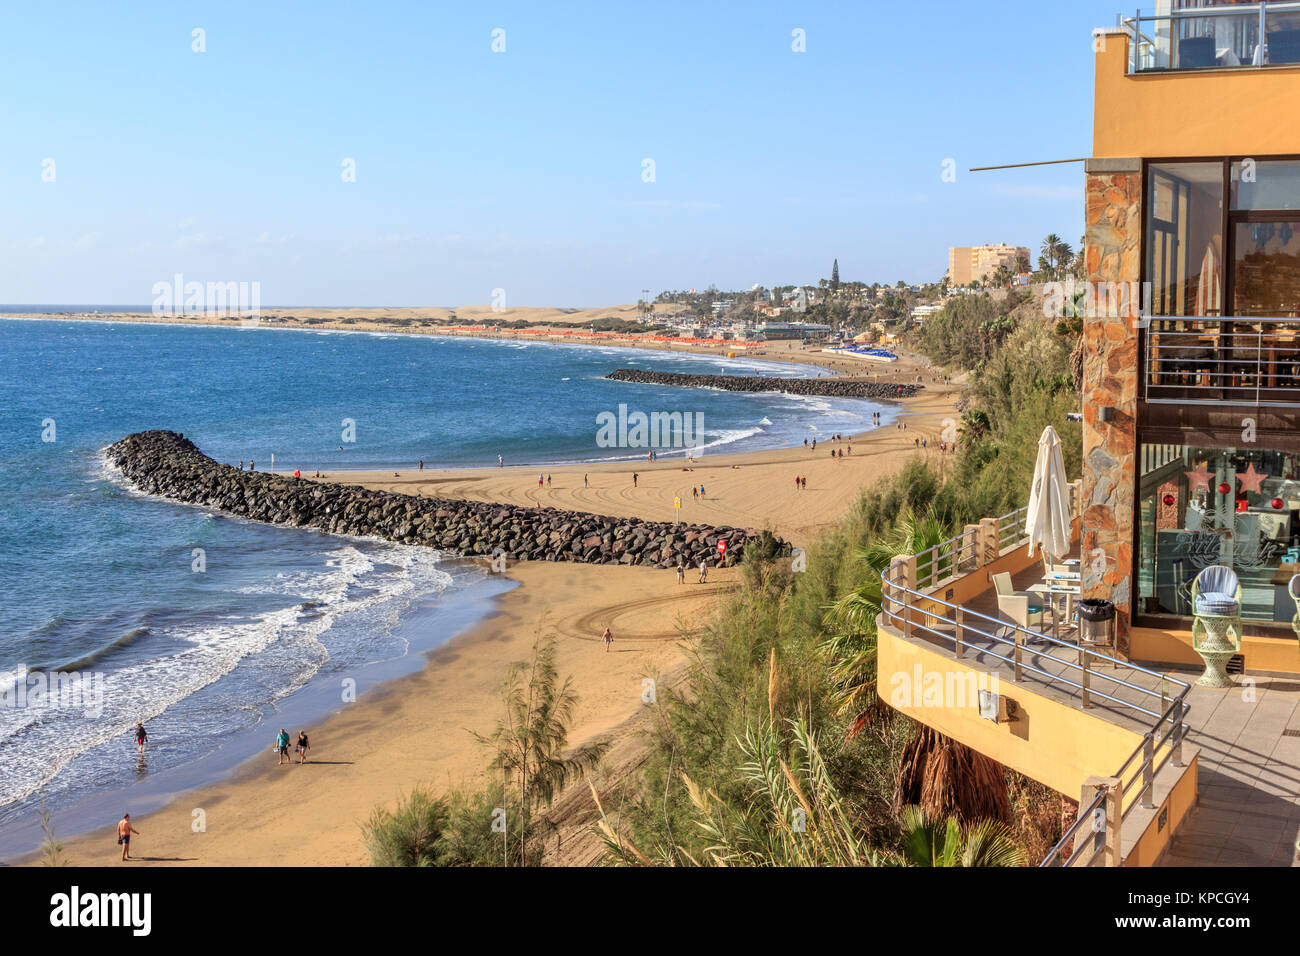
1096,622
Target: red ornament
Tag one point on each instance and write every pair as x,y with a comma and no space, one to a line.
1242,504
1169,501
1277,503
1224,487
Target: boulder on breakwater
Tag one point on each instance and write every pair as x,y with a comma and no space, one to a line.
830,387
167,464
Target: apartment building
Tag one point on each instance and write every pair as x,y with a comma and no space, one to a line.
967,264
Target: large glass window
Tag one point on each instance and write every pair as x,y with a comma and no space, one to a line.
1233,506
1185,238
1266,184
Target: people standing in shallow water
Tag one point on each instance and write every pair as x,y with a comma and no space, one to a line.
141,737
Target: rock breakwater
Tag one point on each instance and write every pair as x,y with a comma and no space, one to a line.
830,387
166,464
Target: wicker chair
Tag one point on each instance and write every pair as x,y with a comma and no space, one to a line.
1216,622
1023,607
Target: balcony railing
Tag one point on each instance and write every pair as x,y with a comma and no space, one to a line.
909,605
1215,37
1211,361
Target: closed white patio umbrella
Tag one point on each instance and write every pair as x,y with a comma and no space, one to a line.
1048,522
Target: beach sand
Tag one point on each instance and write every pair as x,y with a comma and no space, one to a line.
747,490
416,730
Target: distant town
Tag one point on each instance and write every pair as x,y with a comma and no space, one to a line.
833,310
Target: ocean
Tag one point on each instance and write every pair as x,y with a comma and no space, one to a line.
210,629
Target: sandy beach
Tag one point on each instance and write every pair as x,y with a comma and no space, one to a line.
417,729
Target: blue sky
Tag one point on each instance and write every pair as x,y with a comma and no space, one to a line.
523,170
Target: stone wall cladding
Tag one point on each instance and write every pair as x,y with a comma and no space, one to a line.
1110,379
166,464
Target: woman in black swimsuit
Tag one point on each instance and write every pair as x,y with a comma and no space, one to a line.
303,746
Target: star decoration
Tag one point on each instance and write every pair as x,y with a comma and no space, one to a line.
1250,479
1200,478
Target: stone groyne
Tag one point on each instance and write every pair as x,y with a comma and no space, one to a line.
168,465
830,387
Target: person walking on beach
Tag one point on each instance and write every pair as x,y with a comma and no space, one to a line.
548,481
303,747
681,573
540,480
584,482
608,638
141,737
501,462
251,466
704,571
282,745
695,493
634,477
421,468
124,831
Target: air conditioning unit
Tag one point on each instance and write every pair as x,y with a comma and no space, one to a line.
999,709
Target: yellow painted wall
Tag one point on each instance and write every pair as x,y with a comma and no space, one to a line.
1224,112
1179,803
1175,647
1054,743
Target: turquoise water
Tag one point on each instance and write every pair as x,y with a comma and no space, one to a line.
103,582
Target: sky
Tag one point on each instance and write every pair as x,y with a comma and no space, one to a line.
600,150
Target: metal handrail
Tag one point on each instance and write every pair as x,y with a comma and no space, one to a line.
1085,815
1258,366
1260,11
1158,746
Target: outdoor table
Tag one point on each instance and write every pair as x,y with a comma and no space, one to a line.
1051,591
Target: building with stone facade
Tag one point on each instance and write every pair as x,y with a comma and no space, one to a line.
1191,459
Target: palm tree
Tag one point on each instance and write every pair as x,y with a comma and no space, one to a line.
1050,252
975,425
529,742
947,778
928,841
850,644
942,775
